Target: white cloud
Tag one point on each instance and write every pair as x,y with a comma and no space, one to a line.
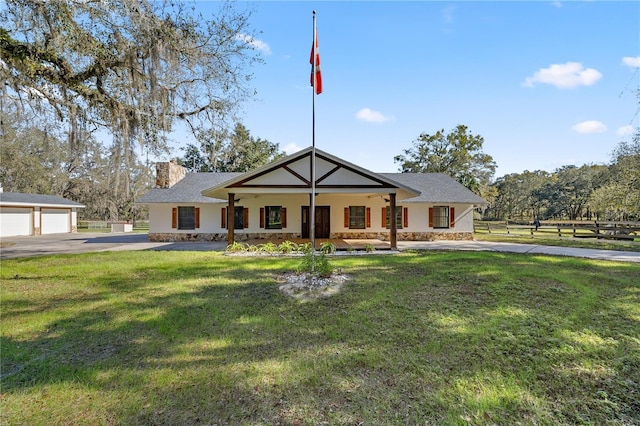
557,3
564,76
366,114
255,43
624,131
292,148
448,14
589,127
631,61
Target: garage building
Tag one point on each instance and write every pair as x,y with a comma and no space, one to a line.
36,214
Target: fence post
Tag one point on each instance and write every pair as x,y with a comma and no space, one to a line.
574,230
597,231
559,231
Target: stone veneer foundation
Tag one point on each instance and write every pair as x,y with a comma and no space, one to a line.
384,236
406,236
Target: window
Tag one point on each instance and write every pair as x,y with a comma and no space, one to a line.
238,218
357,217
440,217
273,217
186,217
398,217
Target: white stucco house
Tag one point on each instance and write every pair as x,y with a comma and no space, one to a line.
273,202
36,214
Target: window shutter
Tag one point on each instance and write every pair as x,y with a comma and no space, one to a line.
197,216
405,223
384,217
174,217
261,217
284,217
223,218
368,218
452,217
346,217
245,217
430,217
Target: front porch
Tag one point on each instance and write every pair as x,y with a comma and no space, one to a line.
339,243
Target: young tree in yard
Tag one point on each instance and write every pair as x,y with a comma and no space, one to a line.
236,152
457,153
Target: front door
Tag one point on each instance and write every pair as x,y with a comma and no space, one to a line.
323,228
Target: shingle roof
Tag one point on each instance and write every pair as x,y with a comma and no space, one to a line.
187,190
22,199
435,188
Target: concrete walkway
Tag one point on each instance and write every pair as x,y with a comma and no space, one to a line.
20,247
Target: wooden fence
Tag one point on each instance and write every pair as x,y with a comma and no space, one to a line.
104,225
571,229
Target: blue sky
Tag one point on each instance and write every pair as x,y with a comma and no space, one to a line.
546,83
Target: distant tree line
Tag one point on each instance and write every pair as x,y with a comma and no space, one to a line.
603,192
591,192
235,151
36,158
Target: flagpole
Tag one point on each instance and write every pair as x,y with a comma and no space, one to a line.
312,232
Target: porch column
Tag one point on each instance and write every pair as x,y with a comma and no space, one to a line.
230,216
393,231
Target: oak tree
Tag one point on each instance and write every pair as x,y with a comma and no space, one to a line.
457,153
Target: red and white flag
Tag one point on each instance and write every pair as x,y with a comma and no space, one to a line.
316,76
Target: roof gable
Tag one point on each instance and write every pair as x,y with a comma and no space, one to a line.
293,174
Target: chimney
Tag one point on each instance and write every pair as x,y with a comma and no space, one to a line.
168,174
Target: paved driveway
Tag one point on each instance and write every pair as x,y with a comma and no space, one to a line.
15,247
622,256
83,242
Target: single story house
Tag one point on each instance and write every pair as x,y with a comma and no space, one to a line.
36,214
274,202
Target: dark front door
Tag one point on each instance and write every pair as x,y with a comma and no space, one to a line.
323,226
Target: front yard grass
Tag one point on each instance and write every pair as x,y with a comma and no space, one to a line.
417,338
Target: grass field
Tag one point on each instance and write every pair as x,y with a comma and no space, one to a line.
454,338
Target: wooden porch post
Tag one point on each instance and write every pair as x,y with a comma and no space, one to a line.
230,221
393,231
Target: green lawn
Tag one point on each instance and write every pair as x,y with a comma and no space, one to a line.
417,338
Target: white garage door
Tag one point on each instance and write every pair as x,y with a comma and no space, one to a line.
55,221
15,221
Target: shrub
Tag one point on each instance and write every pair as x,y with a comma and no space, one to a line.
327,248
268,247
287,247
304,248
237,247
320,263
369,248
